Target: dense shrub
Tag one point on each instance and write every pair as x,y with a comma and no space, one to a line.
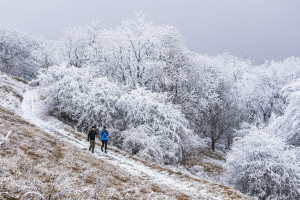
155,127
77,93
17,54
288,125
262,165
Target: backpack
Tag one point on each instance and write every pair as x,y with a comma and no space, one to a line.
104,134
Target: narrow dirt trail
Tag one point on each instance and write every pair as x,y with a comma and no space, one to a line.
33,111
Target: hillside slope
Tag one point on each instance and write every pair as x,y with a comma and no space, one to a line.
44,157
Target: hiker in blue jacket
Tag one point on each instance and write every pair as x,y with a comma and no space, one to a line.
104,138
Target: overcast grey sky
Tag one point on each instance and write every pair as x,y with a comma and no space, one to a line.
257,29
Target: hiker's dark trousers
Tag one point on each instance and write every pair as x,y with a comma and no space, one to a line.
92,145
104,142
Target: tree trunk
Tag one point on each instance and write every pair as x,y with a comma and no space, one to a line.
139,77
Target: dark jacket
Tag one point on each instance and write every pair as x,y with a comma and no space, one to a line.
92,135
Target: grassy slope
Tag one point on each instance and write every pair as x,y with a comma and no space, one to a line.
33,160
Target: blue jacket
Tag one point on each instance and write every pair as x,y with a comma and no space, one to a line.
104,135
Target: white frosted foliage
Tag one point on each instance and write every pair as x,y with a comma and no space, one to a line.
262,165
156,128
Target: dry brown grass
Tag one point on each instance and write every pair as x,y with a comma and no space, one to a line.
9,89
19,79
7,197
203,158
209,168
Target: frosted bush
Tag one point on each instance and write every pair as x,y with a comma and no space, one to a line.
17,53
288,125
155,127
262,165
77,93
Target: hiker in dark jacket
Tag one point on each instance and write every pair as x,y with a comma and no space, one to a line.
91,137
104,138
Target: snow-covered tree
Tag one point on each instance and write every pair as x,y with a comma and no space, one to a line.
288,125
155,128
263,165
74,46
16,54
139,53
80,95
259,88
46,53
208,98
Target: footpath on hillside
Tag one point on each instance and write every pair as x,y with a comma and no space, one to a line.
32,110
